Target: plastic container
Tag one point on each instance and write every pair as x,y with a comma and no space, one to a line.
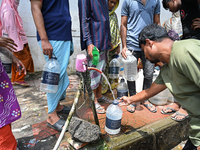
162,97
95,59
114,68
113,118
50,76
122,88
130,67
6,61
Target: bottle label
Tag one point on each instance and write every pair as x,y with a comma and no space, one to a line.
122,93
50,78
113,70
113,124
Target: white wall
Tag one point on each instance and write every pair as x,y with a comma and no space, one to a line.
25,12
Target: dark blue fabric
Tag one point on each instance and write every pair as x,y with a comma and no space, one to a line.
94,24
57,20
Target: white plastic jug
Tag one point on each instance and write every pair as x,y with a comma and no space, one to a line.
113,118
130,67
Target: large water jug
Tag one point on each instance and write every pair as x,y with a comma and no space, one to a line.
130,67
162,97
113,118
122,88
50,76
114,68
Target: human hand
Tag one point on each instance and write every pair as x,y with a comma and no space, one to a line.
90,49
18,65
196,23
118,50
125,101
47,48
8,43
123,53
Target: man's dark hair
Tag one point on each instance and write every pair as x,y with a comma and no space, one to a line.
165,5
152,32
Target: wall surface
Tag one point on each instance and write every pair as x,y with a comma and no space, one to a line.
25,12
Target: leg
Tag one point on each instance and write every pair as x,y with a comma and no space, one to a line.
97,94
148,69
189,146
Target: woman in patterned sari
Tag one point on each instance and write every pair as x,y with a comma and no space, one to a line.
115,40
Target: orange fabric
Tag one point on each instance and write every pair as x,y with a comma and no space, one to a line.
25,57
7,139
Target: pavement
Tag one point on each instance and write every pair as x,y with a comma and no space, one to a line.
32,133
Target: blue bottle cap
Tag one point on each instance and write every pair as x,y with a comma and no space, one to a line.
115,102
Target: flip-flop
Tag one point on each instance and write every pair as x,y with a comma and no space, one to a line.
57,126
179,114
104,99
65,110
130,110
149,105
168,113
99,109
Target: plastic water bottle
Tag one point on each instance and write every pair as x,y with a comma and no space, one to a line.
122,89
113,118
114,68
50,76
130,67
121,67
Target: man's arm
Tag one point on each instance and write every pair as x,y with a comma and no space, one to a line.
143,95
84,15
157,19
36,6
123,32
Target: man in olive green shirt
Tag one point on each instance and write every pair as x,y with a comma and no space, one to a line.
180,74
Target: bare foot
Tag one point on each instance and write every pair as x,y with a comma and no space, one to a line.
170,108
149,106
53,118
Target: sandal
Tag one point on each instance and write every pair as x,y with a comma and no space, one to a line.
65,110
57,126
99,109
22,83
104,99
148,106
168,113
130,110
179,114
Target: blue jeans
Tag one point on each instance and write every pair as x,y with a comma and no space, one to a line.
148,69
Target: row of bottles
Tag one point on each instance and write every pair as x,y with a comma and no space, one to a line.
129,67
114,112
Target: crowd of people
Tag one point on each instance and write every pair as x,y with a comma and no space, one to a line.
175,47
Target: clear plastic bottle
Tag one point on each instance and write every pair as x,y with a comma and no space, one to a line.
130,67
113,118
50,76
114,68
122,88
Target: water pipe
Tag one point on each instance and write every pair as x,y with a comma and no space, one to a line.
92,68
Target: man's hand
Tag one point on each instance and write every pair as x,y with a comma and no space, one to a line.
47,48
19,65
196,23
8,43
123,53
90,49
125,101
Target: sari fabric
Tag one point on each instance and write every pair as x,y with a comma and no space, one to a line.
11,23
9,107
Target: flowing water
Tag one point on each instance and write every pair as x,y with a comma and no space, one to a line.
108,85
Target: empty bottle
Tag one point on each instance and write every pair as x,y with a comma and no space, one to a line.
114,68
122,89
50,76
113,118
130,67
